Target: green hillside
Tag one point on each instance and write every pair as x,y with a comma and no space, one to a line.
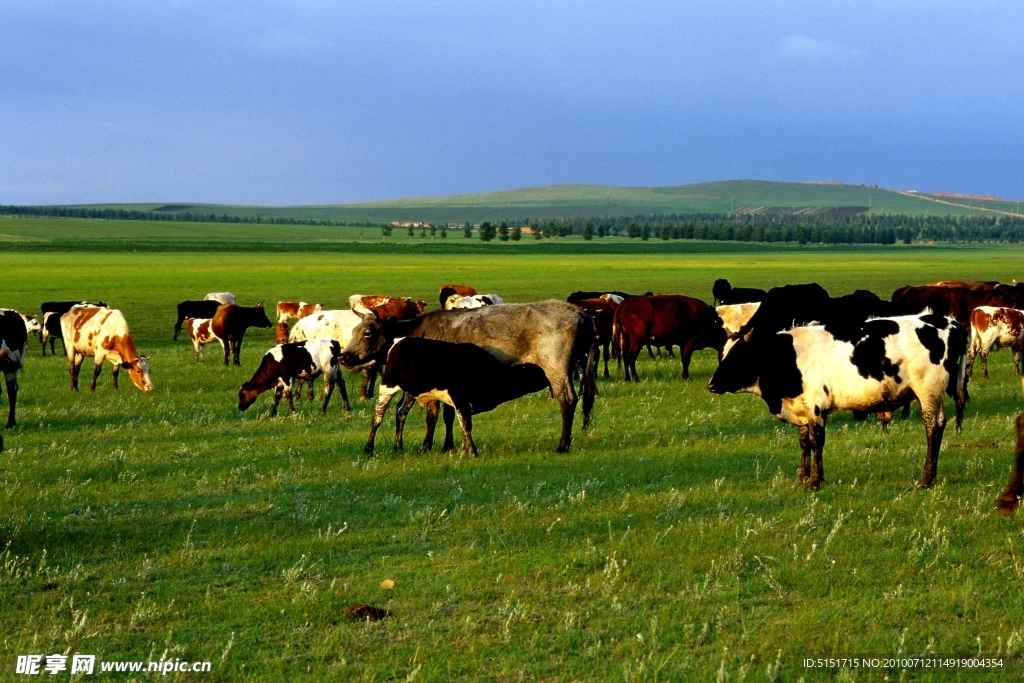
566,201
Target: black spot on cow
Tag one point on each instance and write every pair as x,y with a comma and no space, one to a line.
869,354
781,378
826,390
929,337
935,320
817,411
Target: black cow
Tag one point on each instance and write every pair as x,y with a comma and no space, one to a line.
13,345
51,331
467,379
726,294
200,310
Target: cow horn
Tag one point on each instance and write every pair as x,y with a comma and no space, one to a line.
258,304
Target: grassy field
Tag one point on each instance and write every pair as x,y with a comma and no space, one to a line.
561,201
671,543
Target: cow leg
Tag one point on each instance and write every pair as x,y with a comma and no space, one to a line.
369,382
466,423
311,388
278,391
428,438
236,349
804,473
401,413
449,428
289,392
686,353
934,425
11,380
53,343
671,352
386,394
567,400
177,328
884,418
651,353
906,412
1008,501
1016,361
606,375
226,346
74,367
97,368
984,365
817,434
337,380
114,372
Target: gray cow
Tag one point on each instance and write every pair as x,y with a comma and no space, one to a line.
552,334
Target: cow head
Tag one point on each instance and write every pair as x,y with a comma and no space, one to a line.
739,369
260,318
712,334
32,324
138,371
370,341
247,395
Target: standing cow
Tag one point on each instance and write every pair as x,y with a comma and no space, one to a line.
201,334
554,335
995,327
804,374
13,345
103,334
230,323
286,364
666,321
603,312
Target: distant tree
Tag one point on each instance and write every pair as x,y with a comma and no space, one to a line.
467,230
433,230
385,230
444,231
487,231
615,230
517,233
423,231
549,229
503,231
645,233
602,230
665,233
537,232
412,231
588,231
632,230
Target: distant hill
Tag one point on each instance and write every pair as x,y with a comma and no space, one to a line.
568,201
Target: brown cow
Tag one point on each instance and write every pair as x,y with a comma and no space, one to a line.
956,302
402,309
461,290
977,285
1008,501
603,313
666,320
230,323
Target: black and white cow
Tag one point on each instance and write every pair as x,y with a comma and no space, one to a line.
13,344
467,379
806,373
286,364
51,331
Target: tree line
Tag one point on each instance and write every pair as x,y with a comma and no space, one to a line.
172,216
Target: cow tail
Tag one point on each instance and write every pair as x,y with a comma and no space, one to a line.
587,333
616,342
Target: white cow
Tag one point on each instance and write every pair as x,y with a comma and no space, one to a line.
103,334
476,301
223,297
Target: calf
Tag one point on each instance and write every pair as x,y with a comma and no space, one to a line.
286,364
13,345
666,321
805,373
51,332
200,310
103,334
1008,501
220,297
335,325
474,301
447,290
726,294
466,378
994,327
230,323
201,334
603,312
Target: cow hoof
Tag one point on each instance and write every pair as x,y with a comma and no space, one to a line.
814,484
1007,503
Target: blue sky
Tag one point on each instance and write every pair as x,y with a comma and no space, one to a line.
327,102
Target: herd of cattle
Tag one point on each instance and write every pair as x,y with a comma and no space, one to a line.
805,353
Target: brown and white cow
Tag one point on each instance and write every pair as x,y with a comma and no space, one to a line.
364,302
103,334
995,327
200,331
402,309
447,290
287,310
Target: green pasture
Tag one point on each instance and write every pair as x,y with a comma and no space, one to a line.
671,543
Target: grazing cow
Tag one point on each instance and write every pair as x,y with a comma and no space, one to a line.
666,320
466,378
475,301
956,302
286,310
580,296
995,327
725,293
286,364
554,335
200,310
364,302
201,333
1008,501
13,345
103,334
804,374
62,307
335,325
223,297
603,313
230,323
447,290
51,331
